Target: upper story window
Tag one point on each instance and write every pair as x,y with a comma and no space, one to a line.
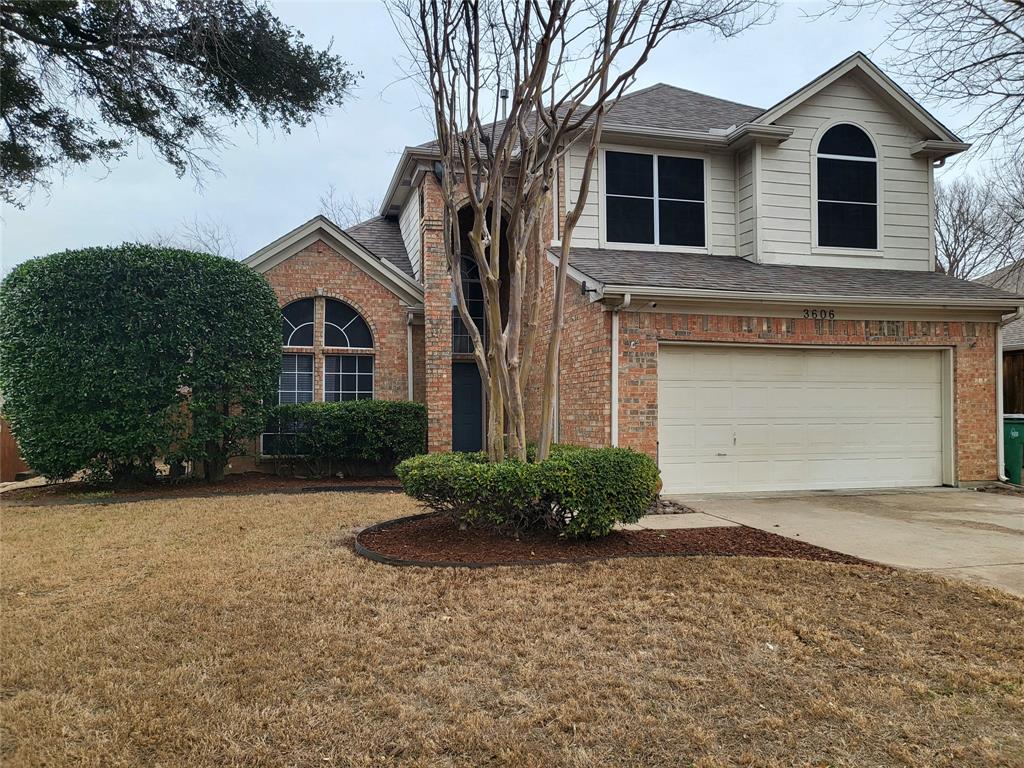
473,290
654,199
847,168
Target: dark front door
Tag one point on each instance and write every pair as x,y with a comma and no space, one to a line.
467,408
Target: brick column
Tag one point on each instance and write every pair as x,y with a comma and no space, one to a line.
437,314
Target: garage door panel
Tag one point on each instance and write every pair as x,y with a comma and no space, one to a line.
798,419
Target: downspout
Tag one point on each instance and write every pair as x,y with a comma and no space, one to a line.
408,350
615,367
1000,437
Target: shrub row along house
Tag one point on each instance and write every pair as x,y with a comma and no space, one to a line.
754,299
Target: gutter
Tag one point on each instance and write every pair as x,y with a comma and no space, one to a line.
408,359
615,367
804,298
1000,437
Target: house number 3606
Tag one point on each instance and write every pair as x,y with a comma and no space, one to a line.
820,314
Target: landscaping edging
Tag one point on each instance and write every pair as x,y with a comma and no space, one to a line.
726,541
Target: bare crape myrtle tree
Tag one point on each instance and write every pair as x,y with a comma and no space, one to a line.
563,64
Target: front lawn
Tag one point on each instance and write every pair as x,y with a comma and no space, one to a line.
244,631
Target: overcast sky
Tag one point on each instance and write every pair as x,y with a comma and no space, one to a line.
271,183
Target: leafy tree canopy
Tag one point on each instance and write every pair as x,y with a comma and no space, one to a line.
81,79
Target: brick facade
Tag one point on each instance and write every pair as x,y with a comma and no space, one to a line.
973,352
584,385
321,267
437,314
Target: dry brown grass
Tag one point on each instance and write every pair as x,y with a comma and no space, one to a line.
244,631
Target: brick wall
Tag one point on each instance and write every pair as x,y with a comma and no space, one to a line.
584,392
437,313
319,266
974,368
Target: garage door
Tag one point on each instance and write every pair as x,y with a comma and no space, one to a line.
741,419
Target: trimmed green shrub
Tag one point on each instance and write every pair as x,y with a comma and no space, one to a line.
350,436
602,487
580,492
113,357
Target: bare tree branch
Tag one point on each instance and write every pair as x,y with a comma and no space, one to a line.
346,210
564,63
979,223
965,53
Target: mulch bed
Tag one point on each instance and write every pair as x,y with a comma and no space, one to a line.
436,540
242,483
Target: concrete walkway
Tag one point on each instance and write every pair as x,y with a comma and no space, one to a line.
673,522
959,533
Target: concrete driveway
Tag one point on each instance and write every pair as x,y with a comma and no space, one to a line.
952,532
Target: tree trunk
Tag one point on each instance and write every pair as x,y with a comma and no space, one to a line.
214,466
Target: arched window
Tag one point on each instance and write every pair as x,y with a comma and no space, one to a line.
847,171
346,377
344,327
297,330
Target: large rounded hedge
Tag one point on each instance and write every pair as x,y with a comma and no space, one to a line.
579,492
113,357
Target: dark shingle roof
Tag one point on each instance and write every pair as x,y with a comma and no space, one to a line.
1010,278
729,273
665,106
382,237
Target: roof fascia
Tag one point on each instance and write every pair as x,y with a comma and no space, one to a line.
938,150
410,156
885,85
320,227
760,297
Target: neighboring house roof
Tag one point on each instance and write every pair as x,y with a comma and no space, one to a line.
1010,278
382,237
397,277
689,275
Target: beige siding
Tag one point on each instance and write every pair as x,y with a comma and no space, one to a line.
588,230
409,223
723,204
745,210
786,204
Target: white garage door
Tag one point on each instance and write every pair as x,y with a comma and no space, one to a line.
742,419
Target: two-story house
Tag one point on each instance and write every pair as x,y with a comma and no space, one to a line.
754,300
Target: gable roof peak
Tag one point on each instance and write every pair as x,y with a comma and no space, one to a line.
873,75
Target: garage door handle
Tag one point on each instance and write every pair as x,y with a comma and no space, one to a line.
721,454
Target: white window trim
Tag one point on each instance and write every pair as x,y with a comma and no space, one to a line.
348,352
829,250
602,194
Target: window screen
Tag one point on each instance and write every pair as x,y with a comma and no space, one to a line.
847,171
295,384
666,208
348,377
